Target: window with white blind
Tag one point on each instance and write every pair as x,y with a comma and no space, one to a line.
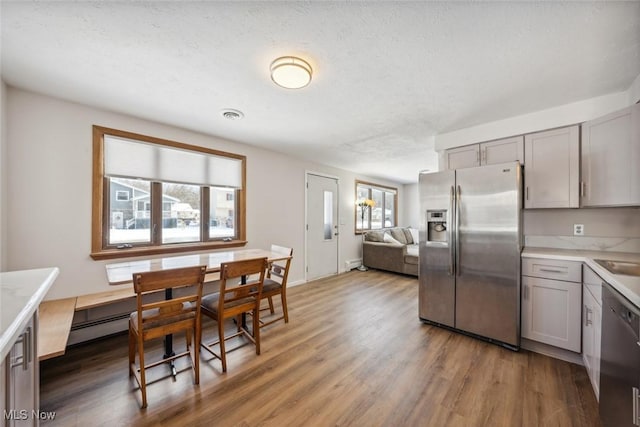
376,206
155,196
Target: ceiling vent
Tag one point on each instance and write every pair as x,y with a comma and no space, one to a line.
232,114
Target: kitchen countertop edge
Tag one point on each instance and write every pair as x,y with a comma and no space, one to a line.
11,333
628,286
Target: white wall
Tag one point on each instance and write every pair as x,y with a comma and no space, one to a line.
48,182
411,206
3,179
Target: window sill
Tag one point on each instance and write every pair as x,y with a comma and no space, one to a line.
167,249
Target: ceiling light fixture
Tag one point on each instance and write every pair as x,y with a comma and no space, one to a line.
291,72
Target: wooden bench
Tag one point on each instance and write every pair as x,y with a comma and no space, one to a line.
56,316
54,325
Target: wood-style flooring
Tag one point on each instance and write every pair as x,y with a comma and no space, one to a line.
354,353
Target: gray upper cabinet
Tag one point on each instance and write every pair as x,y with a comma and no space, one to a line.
502,151
486,153
552,173
463,157
611,159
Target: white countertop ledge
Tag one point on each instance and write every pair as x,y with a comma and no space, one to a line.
628,286
21,292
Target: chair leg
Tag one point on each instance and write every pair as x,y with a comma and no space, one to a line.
256,328
271,305
132,351
223,353
196,353
143,378
283,298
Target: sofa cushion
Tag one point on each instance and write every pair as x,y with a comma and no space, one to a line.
398,234
374,236
411,256
408,236
414,234
388,238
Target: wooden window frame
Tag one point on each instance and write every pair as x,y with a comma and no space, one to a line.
371,186
100,206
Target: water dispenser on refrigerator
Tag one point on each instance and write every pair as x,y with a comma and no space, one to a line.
437,226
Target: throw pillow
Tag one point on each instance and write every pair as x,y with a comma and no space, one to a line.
408,236
389,239
398,234
374,236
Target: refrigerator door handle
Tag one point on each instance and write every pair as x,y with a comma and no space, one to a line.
452,260
457,236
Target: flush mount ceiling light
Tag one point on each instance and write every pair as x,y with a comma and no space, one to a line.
291,72
232,114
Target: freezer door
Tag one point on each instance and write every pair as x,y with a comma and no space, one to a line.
488,252
436,274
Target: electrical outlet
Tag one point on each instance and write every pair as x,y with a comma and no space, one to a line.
578,229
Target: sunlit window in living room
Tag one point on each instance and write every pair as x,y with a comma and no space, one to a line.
376,206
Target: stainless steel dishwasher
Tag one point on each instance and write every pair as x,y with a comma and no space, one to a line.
620,360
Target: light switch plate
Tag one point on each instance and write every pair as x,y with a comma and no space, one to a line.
578,229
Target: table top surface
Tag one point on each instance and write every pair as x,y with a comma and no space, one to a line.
121,273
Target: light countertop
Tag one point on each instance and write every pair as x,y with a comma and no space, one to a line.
20,295
629,286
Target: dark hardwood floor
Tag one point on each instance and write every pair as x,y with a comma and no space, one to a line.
353,353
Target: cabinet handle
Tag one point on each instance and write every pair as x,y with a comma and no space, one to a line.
484,156
583,188
587,320
550,270
526,292
478,157
635,394
25,358
527,193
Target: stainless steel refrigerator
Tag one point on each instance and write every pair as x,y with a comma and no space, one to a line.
470,244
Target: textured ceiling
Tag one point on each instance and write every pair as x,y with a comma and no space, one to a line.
388,76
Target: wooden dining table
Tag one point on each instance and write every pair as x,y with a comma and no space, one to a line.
122,272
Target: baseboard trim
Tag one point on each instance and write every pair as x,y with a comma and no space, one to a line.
551,351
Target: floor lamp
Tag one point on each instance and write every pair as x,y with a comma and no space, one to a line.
364,205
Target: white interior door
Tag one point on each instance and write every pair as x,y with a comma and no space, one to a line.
322,226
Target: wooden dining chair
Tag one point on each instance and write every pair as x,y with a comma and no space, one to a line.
276,284
238,295
158,319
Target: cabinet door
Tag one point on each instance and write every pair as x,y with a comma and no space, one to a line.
463,157
551,312
610,159
588,332
502,151
552,172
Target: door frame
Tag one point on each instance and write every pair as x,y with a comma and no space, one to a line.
306,217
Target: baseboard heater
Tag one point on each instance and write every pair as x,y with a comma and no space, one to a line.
97,322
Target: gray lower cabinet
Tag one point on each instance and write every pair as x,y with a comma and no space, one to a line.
591,326
21,380
552,302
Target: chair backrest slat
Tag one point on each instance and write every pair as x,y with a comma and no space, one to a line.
280,269
231,290
191,277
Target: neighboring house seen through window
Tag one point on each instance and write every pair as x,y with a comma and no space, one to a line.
156,196
383,213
